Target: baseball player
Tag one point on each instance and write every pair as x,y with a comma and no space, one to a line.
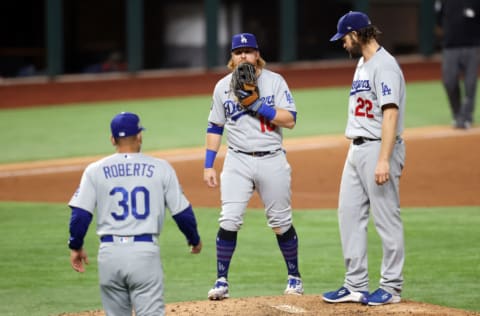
255,161
371,174
130,192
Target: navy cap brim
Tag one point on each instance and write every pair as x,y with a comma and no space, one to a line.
245,46
336,37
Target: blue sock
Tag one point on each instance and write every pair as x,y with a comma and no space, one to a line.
288,243
226,243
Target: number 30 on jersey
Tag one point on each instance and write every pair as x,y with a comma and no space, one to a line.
129,202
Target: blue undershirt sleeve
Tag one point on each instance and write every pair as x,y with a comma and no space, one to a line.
79,222
214,129
294,115
187,224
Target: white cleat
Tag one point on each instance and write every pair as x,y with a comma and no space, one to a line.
219,290
294,286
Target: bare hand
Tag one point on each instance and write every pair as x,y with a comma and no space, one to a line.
382,172
196,249
210,177
77,259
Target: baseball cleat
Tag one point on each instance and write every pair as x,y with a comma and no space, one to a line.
343,295
381,297
294,286
219,290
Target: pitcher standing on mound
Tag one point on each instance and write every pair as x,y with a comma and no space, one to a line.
371,174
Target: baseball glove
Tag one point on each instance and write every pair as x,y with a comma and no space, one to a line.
244,85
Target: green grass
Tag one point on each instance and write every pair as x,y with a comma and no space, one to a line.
443,252
442,259
83,129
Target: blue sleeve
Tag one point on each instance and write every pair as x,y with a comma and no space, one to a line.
214,129
294,115
79,222
187,224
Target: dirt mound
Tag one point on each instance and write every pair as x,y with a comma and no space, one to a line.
297,305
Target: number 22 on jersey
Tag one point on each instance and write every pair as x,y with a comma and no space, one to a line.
364,108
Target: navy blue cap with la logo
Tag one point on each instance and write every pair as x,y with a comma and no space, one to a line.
244,40
352,21
125,124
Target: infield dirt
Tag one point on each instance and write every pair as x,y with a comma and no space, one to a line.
441,169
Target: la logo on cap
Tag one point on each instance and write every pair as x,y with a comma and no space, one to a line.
244,40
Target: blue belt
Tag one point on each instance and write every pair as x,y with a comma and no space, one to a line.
144,238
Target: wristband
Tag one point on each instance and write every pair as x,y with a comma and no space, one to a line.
210,158
267,112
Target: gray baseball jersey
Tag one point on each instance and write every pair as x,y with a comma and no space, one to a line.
130,193
376,83
270,174
245,132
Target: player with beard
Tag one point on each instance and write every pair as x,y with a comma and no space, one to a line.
371,174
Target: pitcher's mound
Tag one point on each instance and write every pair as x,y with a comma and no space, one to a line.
298,305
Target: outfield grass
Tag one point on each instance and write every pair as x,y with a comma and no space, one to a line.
442,259
443,252
83,129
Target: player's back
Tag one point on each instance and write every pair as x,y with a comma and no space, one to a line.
130,193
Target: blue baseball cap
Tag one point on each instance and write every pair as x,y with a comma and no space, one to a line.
125,124
247,40
352,21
